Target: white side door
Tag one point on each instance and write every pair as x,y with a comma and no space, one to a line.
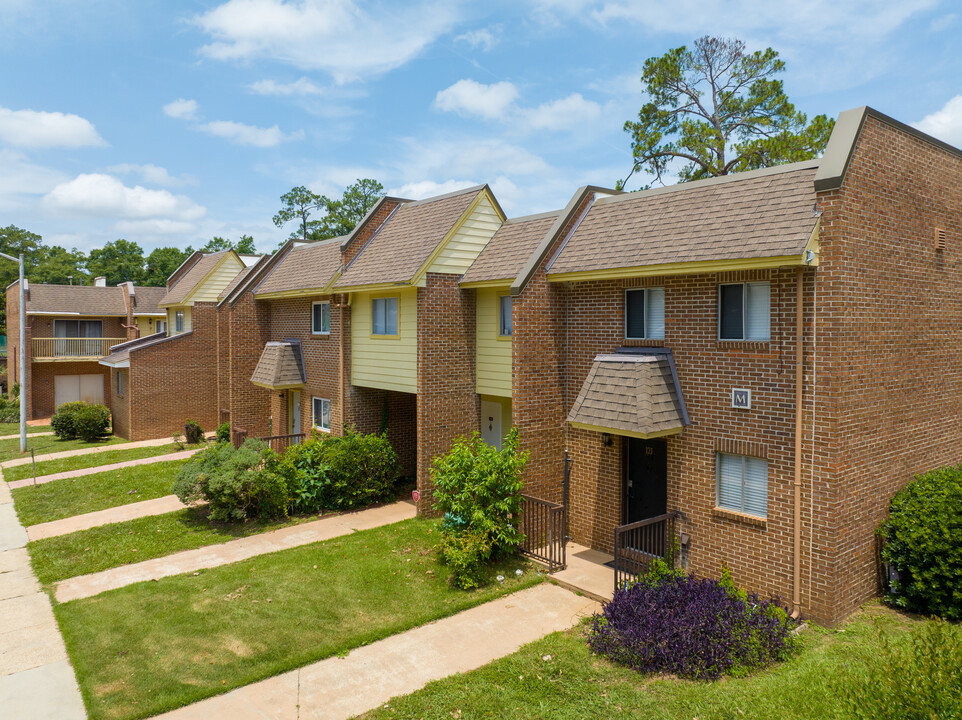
295,408
491,423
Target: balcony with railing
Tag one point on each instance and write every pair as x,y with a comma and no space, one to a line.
72,349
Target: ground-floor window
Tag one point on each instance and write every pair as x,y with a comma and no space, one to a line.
322,414
121,383
742,484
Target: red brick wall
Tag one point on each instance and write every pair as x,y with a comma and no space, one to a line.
447,404
248,324
43,384
889,396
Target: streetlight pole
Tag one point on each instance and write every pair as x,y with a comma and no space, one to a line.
23,355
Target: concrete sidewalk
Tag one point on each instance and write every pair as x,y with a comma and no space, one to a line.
36,679
29,435
181,455
121,513
370,676
93,451
232,551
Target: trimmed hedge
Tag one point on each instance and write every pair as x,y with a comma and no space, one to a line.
80,419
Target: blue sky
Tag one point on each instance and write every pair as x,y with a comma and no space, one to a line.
167,123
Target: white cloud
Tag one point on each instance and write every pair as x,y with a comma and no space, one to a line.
337,36
945,124
241,134
483,38
468,97
429,188
563,114
152,174
155,226
105,196
39,129
944,21
301,86
181,109
20,176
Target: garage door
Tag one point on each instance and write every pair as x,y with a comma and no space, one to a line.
71,388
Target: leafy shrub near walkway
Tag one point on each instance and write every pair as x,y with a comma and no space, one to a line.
80,419
698,629
478,488
9,409
237,483
922,541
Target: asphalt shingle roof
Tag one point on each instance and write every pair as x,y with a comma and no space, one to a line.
506,252
280,366
304,267
73,299
197,272
146,299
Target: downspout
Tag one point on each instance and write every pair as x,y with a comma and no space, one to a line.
797,482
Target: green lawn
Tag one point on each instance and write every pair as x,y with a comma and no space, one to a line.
133,541
76,462
10,449
14,429
74,496
557,677
155,646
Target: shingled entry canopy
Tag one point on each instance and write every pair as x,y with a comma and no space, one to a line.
281,366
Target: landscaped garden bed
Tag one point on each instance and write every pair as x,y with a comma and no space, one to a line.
150,647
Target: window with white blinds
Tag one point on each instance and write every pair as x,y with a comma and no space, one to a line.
645,314
742,484
744,311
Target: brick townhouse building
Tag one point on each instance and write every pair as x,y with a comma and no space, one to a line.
771,353
69,329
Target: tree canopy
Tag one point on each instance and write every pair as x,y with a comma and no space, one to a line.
718,109
162,262
340,216
244,246
119,261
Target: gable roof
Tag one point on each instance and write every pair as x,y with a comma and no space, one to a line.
766,213
514,242
405,242
76,300
147,299
194,276
309,267
238,279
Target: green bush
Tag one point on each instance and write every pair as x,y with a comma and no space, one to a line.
361,469
223,432
64,421
307,475
922,542
193,432
237,483
478,488
916,678
10,408
91,422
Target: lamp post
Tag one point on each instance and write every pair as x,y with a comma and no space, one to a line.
23,355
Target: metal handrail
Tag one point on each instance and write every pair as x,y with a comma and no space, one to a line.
46,348
652,544
543,524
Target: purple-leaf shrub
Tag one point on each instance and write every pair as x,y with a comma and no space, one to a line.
692,628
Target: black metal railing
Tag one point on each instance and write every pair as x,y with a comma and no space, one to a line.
543,525
639,544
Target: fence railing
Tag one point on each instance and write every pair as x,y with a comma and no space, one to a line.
53,348
543,525
638,544
278,443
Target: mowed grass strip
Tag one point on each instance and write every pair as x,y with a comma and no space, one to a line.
557,677
108,457
45,444
14,429
155,646
109,546
75,496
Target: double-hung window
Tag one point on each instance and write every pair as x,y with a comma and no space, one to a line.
321,320
742,484
504,315
645,314
384,316
321,414
744,311
179,321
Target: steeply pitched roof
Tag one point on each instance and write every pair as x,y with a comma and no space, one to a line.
631,394
405,242
506,252
76,300
146,299
192,278
238,279
759,214
305,267
280,366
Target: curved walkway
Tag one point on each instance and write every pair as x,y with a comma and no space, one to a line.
181,455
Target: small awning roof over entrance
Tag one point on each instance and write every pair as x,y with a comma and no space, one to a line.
281,366
631,393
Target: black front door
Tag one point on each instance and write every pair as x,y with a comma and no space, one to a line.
646,479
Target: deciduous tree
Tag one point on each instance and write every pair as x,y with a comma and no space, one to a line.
118,261
161,264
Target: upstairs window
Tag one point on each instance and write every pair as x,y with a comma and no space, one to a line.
742,484
504,315
645,314
121,383
179,321
321,321
384,316
744,312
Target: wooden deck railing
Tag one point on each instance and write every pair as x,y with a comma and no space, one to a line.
72,348
638,544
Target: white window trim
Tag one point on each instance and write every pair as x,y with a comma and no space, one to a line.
321,332
744,286
624,305
179,324
501,332
397,314
741,511
314,418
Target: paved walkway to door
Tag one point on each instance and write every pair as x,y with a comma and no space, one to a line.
121,513
92,451
368,677
233,551
181,455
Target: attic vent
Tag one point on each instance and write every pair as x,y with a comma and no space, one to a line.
940,238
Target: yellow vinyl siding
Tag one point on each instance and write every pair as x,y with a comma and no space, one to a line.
494,352
389,363
212,286
145,326
467,242
172,319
